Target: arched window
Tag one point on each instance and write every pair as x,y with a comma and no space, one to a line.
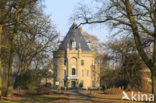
73,71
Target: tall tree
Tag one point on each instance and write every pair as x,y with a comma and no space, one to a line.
138,17
35,41
10,12
129,63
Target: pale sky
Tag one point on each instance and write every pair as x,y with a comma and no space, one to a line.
60,12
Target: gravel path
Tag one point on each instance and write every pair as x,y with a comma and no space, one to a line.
76,96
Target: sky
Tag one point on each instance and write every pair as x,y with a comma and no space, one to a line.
60,12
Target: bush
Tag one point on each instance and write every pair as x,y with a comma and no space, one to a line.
26,81
81,84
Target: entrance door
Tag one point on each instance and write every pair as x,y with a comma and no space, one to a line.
73,84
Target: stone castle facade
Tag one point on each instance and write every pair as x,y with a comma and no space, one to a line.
74,62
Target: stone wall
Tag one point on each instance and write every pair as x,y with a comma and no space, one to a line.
65,61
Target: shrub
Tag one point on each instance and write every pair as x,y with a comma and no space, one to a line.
26,81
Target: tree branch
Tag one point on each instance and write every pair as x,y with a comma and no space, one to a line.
108,19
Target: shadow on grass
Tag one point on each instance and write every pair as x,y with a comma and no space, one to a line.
103,99
47,98
53,98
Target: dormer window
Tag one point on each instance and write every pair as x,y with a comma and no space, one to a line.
89,44
73,45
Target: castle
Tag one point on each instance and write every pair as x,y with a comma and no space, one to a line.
74,62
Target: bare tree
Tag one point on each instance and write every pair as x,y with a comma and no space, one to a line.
35,41
10,13
138,17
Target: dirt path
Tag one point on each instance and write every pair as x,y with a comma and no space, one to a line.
76,96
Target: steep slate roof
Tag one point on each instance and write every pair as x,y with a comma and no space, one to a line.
74,34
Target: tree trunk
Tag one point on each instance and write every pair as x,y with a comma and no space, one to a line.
10,74
1,31
4,80
0,58
0,52
150,63
154,59
153,77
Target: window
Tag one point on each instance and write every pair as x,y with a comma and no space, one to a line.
65,62
82,72
74,45
89,44
73,71
82,62
87,73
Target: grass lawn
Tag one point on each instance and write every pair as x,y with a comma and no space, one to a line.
109,98
54,98
64,97
11,101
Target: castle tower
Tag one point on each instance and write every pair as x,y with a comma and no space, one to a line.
74,61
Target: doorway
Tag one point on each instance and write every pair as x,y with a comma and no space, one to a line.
73,84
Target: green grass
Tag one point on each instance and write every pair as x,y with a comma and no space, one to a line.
4,101
54,98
